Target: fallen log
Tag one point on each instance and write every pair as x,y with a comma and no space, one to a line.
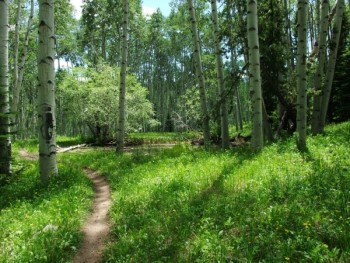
67,149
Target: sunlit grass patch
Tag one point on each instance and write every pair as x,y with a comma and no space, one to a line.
161,137
65,141
41,223
190,205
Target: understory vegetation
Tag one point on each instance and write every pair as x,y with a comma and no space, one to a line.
186,204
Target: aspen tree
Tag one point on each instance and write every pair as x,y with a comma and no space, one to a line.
254,75
321,57
122,86
46,91
5,140
199,73
331,63
220,75
301,73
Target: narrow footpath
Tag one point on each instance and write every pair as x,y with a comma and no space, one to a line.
97,226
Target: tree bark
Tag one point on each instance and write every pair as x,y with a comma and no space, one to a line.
16,51
5,139
225,137
46,91
301,73
122,86
322,50
199,73
331,63
254,75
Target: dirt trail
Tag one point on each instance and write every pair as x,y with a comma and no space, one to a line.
97,227
28,156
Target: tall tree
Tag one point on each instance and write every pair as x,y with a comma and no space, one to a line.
5,140
220,75
122,87
331,62
46,91
199,72
301,73
254,74
321,57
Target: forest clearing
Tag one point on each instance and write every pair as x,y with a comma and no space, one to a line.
189,205
217,131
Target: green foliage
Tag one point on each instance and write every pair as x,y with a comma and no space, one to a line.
41,223
189,107
188,205
90,97
339,108
159,138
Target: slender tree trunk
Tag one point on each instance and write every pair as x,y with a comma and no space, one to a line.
46,91
239,108
122,86
312,33
5,140
17,87
16,51
289,38
225,137
254,75
322,50
199,73
239,119
267,129
103,44
301,73
331,63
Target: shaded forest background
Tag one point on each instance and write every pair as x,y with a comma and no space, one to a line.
162,90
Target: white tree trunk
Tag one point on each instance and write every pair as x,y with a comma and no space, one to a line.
301,73
254,75
46,91
5,140
225,137
16,52
331,63
122,86
322,50
199,73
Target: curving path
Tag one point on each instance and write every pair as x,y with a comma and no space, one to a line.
97,226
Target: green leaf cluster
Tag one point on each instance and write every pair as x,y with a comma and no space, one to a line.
89,97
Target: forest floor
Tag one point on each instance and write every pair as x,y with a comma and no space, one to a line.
184,204
27,155
97,226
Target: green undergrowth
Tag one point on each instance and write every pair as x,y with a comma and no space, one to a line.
190,205
41,223
161,138
32,145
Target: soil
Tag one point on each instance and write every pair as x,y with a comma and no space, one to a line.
28,156
97,227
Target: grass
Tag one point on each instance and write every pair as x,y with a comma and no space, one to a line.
190,205
161,138
41,223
